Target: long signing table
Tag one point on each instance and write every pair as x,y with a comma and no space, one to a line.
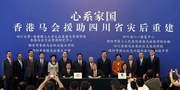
97,84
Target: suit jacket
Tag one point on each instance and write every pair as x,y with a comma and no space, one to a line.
78,68
133,68
88,68
99,73
30,69
18,70
7,68
66,74
141,69
105,67
154,65
42,71
62,65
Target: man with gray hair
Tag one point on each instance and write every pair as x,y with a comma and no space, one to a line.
90,64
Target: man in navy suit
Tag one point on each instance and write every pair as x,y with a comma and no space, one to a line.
42,65
63,61
18,70
68,72
80,65
153,63
104,64
30,67
8,71
141,65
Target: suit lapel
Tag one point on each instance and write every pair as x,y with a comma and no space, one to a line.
153,59
9,62
128,65
18,64
103,60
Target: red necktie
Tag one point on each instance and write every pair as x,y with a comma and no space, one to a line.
64,61
31,61
95,75
10,62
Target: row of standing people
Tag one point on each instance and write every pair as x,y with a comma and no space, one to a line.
32,69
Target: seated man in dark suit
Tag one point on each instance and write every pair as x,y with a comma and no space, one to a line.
95,73
68,72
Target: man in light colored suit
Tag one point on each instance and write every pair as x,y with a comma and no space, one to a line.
30,65
8,71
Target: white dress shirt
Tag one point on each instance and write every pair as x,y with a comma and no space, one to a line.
21,64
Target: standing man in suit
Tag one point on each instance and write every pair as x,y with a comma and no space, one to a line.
132,67
42,65
95,73
30,66
89,66
153,63
80,65
63,61
104,64
141,65
8,71
68,72
18,70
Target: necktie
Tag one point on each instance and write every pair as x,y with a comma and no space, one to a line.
95,74
68,71
10,62
41,63
104,60
64,61
31,61
151,59
141,62
91,65
80,63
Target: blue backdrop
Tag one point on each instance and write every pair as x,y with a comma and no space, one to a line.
90,26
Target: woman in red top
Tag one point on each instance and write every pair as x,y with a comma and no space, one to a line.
117,65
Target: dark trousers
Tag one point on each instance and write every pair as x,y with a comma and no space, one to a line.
31,80
16,83
8,83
